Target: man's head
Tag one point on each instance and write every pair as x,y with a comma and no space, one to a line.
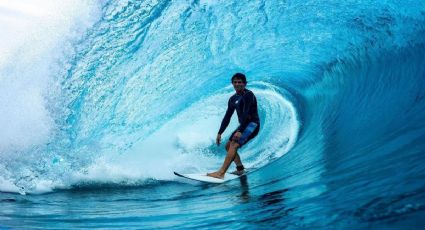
239,82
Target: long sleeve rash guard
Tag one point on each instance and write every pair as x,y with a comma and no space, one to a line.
246,108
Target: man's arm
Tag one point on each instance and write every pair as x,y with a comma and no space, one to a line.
226,119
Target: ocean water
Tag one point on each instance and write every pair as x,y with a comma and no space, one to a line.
101,101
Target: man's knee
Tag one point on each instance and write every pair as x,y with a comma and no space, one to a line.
227,145
234,145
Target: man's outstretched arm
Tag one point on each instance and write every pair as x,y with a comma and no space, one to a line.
226,119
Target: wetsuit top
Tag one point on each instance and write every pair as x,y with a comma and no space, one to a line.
245,105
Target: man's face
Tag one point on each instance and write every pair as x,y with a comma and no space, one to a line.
238,85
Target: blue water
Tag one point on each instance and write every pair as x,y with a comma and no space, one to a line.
102,103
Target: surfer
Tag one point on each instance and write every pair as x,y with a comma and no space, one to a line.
245,104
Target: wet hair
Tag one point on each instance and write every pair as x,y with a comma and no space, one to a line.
240,76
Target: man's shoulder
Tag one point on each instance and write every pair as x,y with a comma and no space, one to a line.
233,98
248,92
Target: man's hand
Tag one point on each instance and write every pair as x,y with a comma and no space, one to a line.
218,139
236,136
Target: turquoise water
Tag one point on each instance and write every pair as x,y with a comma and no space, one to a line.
103,101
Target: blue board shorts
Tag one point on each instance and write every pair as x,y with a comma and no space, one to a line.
250,132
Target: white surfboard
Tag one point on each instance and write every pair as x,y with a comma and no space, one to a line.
204,178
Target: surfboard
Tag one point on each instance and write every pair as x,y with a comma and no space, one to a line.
204,178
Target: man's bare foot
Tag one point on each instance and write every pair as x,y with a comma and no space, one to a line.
216,175
238,172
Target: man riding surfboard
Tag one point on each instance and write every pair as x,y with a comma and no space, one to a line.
245,104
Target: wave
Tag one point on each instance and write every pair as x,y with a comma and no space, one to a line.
143,85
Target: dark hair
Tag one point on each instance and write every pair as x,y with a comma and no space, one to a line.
239,76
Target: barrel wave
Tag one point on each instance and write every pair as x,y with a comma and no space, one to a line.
110,103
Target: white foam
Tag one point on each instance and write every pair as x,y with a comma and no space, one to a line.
35,35
7,186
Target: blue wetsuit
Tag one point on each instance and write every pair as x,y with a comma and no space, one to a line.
245,105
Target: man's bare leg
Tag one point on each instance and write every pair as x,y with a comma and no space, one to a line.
239,166
237,159
231,153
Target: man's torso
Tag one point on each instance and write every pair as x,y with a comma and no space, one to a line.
240,103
